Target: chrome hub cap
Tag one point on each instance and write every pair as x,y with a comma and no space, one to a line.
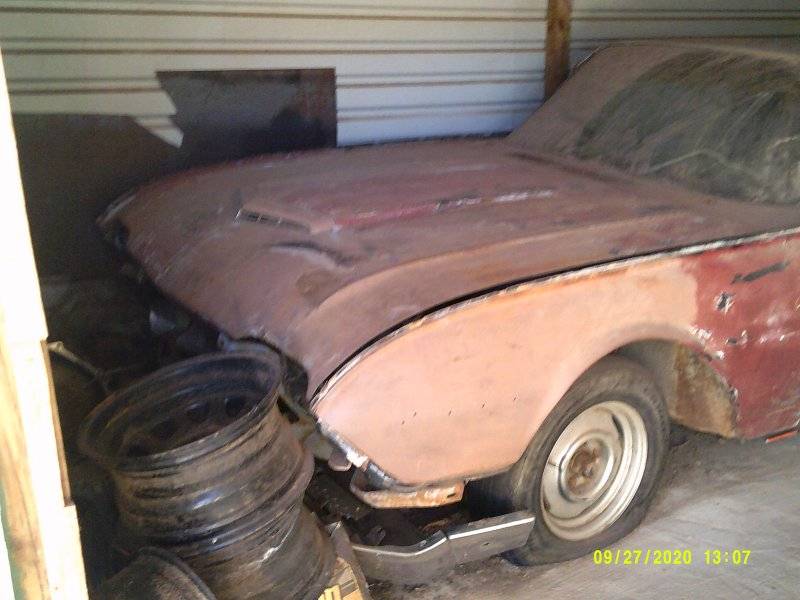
594,470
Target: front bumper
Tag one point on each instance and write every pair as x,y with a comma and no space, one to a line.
444,550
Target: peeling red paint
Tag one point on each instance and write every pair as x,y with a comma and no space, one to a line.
759,336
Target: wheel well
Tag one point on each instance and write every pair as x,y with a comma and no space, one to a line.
696,395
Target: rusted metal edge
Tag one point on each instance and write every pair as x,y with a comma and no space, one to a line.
361,460
784,435
422,497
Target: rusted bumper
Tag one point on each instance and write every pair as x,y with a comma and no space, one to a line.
422,497
444,550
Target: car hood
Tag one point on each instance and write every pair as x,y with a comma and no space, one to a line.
322,252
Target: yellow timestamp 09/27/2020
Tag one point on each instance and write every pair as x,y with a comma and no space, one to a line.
671,556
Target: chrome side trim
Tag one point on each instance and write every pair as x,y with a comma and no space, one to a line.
445,549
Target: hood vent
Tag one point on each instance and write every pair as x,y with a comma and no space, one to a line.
251,216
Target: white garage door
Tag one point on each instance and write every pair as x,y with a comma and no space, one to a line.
405,68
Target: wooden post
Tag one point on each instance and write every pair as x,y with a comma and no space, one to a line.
556,57
42,554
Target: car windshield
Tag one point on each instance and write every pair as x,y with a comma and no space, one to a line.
715,120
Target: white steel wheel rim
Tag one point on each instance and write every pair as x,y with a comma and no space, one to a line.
594,470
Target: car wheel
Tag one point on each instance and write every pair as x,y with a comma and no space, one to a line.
592,468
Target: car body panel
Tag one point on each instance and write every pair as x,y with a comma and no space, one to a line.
320,290
488,371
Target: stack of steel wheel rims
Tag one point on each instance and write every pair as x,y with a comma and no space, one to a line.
205,466
155,574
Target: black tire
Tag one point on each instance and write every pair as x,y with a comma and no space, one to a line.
520,487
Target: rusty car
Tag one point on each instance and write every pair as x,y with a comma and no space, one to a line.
517,321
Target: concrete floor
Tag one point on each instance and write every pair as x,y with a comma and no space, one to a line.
715,495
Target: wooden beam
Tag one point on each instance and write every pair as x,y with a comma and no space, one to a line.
39,522
556,59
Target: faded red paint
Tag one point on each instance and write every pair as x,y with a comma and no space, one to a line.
755,343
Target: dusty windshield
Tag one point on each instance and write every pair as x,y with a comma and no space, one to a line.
716,121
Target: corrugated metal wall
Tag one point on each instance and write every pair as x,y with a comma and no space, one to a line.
412,68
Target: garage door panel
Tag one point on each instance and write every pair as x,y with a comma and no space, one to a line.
477,62
387,97
625,29
268,8
384,66
435,123
144,30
